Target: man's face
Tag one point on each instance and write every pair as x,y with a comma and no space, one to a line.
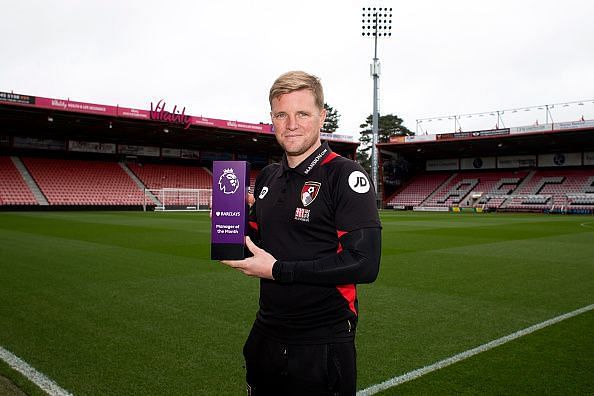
297,122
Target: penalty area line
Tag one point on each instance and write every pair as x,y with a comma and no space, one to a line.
372,390
39,379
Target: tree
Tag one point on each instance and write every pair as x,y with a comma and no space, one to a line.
364,158
389,125
332,117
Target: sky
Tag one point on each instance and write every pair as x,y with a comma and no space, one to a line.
219,58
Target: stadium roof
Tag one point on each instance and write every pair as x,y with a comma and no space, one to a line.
548,138
66,119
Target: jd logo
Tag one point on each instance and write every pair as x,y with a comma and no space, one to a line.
359,182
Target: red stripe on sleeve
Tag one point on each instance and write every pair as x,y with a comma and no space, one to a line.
349,292
254,225
340,234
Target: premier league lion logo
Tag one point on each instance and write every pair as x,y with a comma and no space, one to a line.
228,182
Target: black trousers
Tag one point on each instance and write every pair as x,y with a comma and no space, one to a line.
274,368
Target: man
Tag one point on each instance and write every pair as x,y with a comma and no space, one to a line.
319,234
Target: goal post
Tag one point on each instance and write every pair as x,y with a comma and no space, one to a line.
177,199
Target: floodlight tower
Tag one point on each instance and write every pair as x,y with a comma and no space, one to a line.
377,22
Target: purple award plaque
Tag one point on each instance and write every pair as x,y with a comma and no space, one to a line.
230,183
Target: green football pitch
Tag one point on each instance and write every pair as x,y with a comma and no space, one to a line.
128,303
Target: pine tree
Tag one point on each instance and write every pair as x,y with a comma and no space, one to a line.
332,117
389,125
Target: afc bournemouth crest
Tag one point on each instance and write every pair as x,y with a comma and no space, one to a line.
309,192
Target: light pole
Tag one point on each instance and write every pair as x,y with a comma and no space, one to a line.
377,22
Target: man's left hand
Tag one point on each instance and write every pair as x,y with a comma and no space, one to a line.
259,265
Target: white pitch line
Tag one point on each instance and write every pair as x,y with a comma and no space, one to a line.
39,379
372,390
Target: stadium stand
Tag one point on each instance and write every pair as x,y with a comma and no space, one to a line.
417,190
66,182
164,176
156,176
13,189
584,199
519,190
469,188
75,182
555,189
499,193
81,182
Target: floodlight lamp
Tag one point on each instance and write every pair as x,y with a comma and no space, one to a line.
165,130
50,119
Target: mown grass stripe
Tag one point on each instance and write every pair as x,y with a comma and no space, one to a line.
372,390
39,379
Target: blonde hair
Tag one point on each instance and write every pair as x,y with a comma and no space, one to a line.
295,81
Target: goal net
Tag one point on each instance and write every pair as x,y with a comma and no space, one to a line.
177,199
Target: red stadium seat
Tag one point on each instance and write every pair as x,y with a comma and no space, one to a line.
13,189
78,182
